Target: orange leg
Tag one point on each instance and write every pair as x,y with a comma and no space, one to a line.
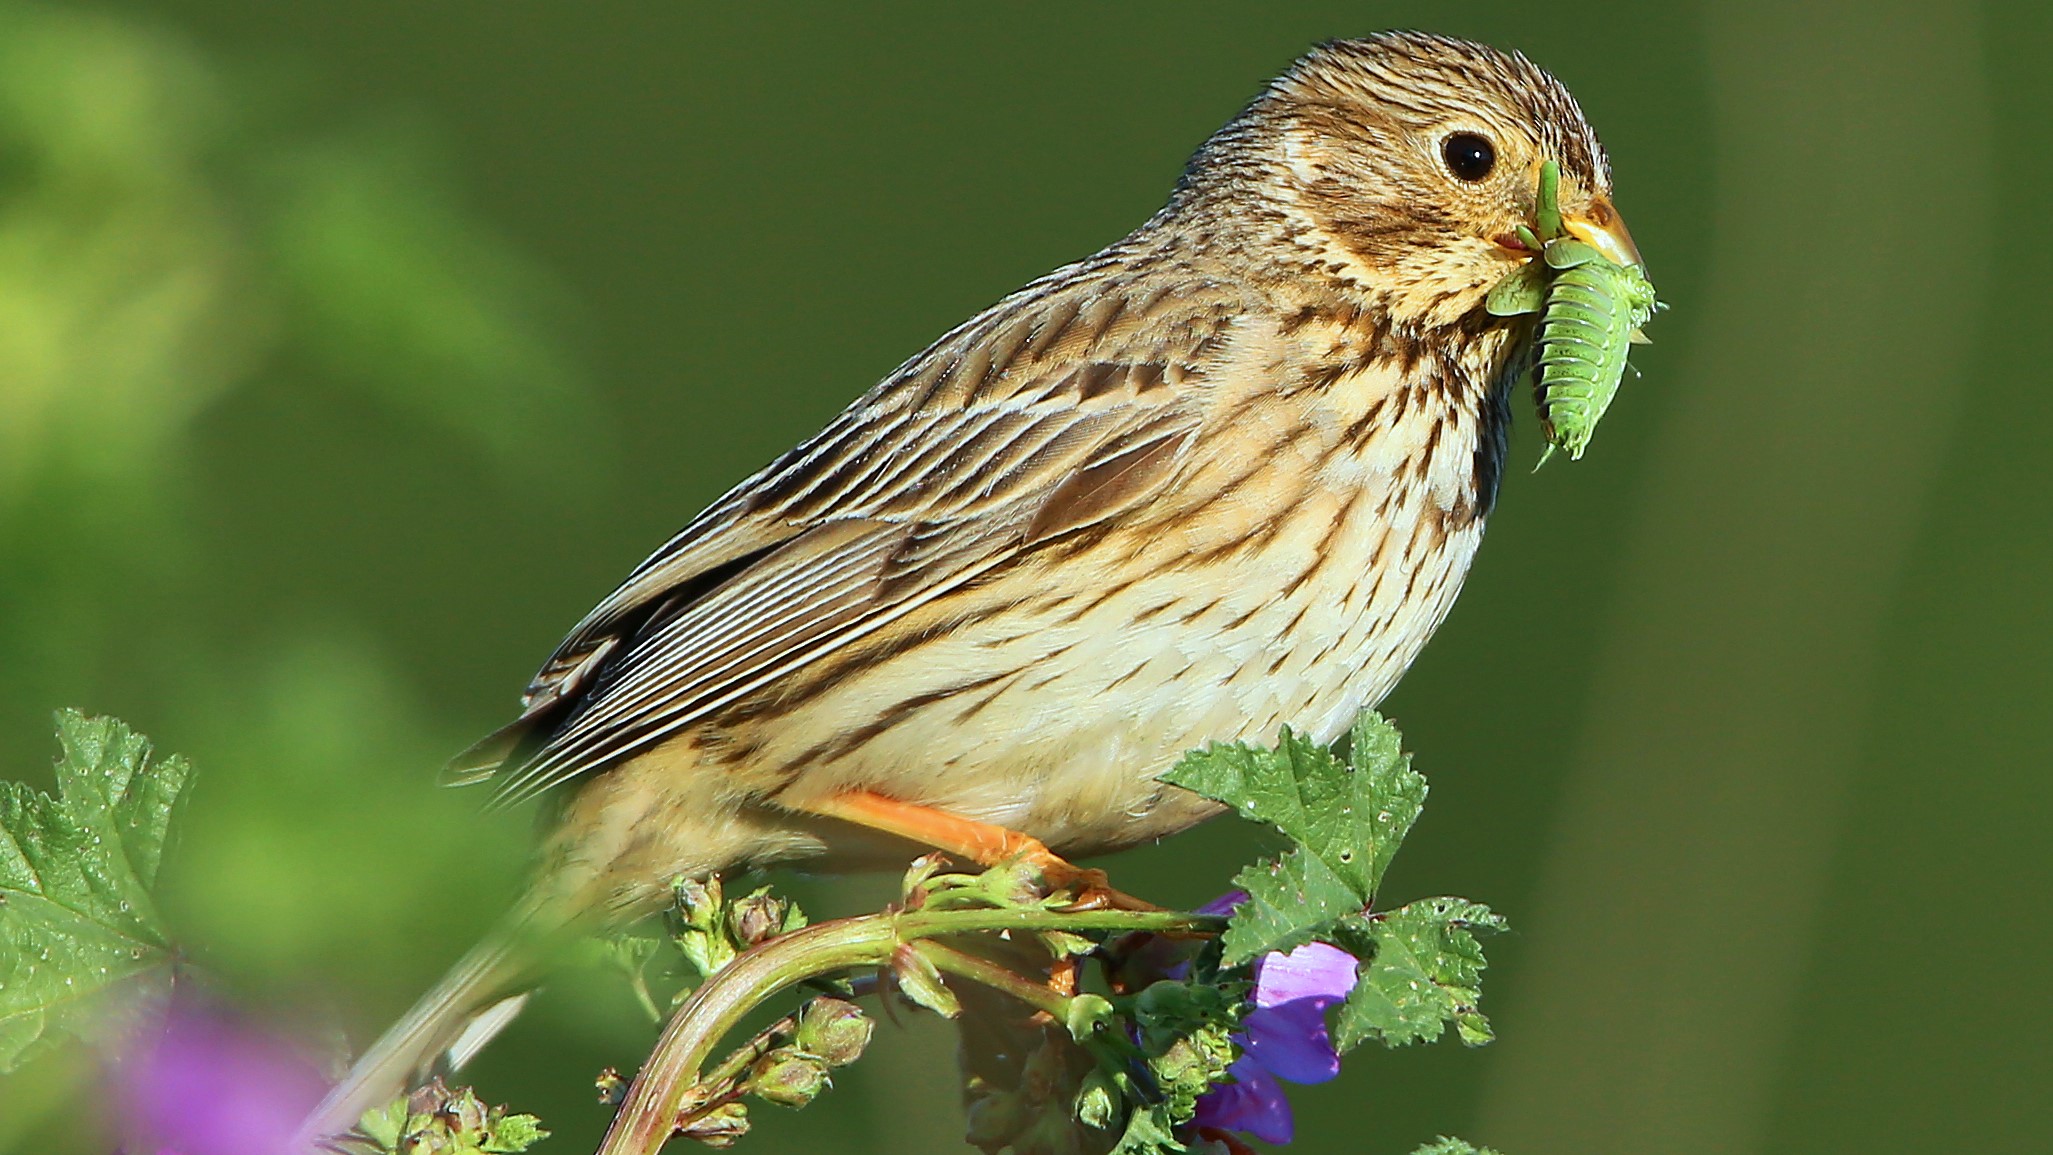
980,842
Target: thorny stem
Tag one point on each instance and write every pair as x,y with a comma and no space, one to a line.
649,1111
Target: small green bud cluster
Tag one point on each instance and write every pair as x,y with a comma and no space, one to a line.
710,931
825,1034
438,1121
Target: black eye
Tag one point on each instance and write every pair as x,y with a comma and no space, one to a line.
1469,157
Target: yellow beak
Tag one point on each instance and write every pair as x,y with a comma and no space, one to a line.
1600,227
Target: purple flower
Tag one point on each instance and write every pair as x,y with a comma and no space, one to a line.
205,1083
1284,1037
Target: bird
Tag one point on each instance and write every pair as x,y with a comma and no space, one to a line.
1224,475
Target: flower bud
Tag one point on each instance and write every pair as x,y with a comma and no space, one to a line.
788,1077
1016,883
464,1113
912,891
1086,1015
723,1126
835,1030
919,981
1097,1101
697,926
758,917
698,903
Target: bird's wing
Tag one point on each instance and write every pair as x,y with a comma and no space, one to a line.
1053,411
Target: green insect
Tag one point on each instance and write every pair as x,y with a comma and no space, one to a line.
1591,310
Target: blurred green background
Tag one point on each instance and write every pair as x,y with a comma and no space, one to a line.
349,351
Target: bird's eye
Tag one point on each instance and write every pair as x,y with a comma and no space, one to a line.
1469,156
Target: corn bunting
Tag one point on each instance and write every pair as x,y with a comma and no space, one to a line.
1225,474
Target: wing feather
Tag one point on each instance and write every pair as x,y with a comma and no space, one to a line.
732,640
1034,420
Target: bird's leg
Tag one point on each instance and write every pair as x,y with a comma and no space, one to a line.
980,842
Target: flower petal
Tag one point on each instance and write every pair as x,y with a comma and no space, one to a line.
1291,1042
1312,971
1253,1103
212,1085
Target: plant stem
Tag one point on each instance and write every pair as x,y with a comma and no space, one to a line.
720,1085
933,923
639,982
962,964
648,1112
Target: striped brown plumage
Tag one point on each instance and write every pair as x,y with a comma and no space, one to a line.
1226,474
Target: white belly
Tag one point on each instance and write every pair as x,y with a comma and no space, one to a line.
1306,631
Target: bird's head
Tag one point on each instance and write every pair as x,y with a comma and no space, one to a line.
1403,165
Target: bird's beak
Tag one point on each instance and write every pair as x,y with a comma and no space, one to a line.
1600,227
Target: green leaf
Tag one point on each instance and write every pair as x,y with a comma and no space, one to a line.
1346,819
1184,1031
435,1120
78,928
1149,1131
515,1133
1448,1145
383,1126
1422,969
1289,901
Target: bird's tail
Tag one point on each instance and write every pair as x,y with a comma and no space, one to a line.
479,996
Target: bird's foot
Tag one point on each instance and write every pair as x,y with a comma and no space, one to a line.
1090,888
980,842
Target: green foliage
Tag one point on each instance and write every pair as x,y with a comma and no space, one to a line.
438,1121
1346,820
77,924
1185,1031
1423,970
1148,1132
1447,1145
79,931
206,269
709,930
1421,964
392,286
